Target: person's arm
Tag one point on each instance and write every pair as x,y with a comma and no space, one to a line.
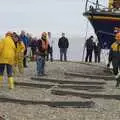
59,43
1,45
67,43
109,57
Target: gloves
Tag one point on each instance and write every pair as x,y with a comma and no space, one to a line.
108,65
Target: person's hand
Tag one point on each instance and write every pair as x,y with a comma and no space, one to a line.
108,65
46,52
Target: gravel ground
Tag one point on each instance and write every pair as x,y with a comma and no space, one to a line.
103,109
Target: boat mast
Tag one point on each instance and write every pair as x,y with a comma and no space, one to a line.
86,5
97,4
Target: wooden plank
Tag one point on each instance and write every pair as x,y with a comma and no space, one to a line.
64,81
89,76
76,104
84,95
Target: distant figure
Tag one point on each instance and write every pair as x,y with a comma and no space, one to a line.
97,51
63,45
89,49
50,52
114,57
50,48
25,40
33,46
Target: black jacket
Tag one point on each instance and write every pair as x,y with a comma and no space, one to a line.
89,44
63,42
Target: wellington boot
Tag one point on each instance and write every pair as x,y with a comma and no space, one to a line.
1,81
11,82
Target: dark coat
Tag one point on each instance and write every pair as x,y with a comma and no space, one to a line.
63,42
89,44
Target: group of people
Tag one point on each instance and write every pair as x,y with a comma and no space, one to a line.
92,46
13,53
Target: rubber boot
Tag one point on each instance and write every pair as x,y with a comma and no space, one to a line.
117,80
10,82
1,81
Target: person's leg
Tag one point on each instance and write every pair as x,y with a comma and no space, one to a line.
2,67
47,57
65,54
95,57
25,59
115,71
90,55
51,57
38,65
99,57
61,53
43,65
10,77
87,55
20,66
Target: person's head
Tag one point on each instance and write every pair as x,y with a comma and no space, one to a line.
15,37
44,36
9,34
49,34
63,34
91,37
117,36
23,32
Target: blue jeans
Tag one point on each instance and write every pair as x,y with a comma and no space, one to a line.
63,51
9,69
40,65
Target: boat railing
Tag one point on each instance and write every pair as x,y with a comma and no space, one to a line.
96,7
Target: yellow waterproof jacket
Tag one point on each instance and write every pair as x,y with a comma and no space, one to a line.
20,51
114,51
20,47
7,51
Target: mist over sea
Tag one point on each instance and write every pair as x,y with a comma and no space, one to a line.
75,49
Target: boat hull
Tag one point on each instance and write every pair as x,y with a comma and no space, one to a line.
104,27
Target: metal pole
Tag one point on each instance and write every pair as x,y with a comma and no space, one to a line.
97,5
85,42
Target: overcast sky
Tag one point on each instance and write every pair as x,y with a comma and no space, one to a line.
36,16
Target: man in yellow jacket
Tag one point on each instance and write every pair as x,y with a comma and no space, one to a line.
114,57
7,57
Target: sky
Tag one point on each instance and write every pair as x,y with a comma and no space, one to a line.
35,16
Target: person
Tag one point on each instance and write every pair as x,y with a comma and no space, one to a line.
50,52
7,58
114,57
19,54
50,48
97,51
33,46
89,49
63,44
25,40
42,48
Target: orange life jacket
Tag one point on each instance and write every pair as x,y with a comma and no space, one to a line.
44,44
